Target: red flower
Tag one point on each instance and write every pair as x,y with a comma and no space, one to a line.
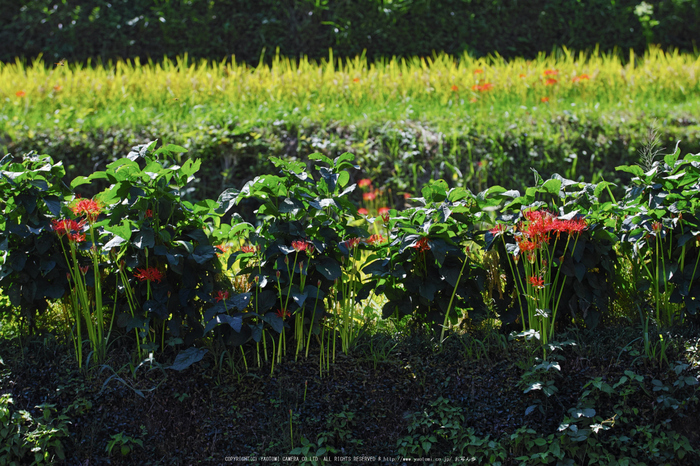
20,93
454,88
57,88
537,282
362,211
500,228
657,227
407,196
84,269
581,78
149,213
282,314
88,207
356,80
550,82
221,296
375,239
299,245
422,245
248,249
544,99
69,227
150,274
364,182
478,71
383,210
370,196
551,72
482,87
352,243
527,245
521,75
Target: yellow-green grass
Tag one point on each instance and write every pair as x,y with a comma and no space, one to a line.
439,88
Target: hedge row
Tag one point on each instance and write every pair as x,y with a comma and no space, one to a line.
401,157
244,28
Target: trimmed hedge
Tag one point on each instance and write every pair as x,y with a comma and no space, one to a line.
87,29
399,156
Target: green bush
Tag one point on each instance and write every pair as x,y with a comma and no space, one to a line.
140,28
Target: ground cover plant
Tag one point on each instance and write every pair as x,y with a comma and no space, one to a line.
337,325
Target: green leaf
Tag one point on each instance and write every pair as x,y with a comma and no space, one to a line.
188,357
552,186
329,268
636,170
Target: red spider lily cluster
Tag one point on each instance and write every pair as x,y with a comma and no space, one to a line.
223,248
537,282
248,249
88,207
580,78
364,183
150,274
549,72
352,243
369,196
221,296
541,224
550,82
375,239
482,87
422,245
71,228
362,211
300,246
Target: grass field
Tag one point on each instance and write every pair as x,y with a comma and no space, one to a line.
440,89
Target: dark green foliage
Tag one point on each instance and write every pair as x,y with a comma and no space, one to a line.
244,28
32,268
401,156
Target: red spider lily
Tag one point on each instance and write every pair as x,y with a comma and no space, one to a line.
84,269
223,248
362,211
478,71
69,227
537,282
88,207
248,249
383,210
482,87
370,196
551,72
544,100
352,243
300,246
150,274
283,313
454,88
376,239
356,80
500,228
581,78
149,213
221,296
364,182
657,227
527,245
550,82
385,217
407,196
422,245
20,93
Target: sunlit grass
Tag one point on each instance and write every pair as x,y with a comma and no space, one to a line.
441,88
